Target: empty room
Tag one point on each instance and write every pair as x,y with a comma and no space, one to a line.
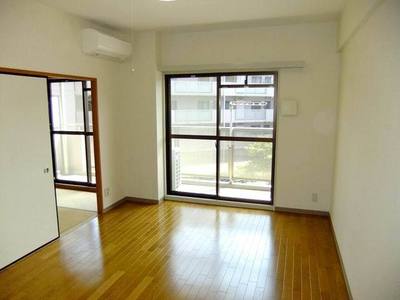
200,149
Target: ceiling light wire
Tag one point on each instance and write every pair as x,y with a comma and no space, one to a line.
131,2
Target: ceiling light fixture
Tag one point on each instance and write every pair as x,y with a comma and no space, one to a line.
167,0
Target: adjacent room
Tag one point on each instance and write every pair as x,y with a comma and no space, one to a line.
72,143
194,149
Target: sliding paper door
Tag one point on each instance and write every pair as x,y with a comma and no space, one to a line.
28,216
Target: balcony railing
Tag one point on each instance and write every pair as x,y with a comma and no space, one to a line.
198,116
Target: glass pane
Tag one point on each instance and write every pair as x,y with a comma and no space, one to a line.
88,102
88,84
67,106
193,166
193,105
70,155
245,170
233,80
260,79
247,112
92,160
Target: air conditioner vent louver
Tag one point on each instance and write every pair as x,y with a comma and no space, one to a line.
99,44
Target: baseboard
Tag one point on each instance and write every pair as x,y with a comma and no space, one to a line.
142,200
302,211
218,202
130,199
114,205
340,258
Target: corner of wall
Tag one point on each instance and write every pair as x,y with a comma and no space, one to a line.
141,121
354,15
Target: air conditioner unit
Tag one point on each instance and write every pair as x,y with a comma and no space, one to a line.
99,44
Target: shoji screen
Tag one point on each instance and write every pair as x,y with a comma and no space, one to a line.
28,215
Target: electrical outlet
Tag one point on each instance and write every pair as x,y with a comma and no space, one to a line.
314,197
107,192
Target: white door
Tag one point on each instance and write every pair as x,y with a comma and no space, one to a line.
28,212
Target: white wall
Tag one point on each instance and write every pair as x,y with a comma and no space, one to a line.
354,15
140,122
306,143
130,104
366,206
34,36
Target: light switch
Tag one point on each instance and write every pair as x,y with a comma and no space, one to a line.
288,108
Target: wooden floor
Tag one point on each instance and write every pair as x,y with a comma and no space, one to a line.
184,251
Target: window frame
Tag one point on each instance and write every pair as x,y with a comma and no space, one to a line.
86,133
217,137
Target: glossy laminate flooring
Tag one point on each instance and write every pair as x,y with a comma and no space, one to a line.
184,251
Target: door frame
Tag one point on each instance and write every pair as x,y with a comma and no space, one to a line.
98,189
169,136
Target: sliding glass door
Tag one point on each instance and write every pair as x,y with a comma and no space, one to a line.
221,135
71,125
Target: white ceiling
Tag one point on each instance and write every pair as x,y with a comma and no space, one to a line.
154,14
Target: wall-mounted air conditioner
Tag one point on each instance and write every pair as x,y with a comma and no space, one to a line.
100,44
